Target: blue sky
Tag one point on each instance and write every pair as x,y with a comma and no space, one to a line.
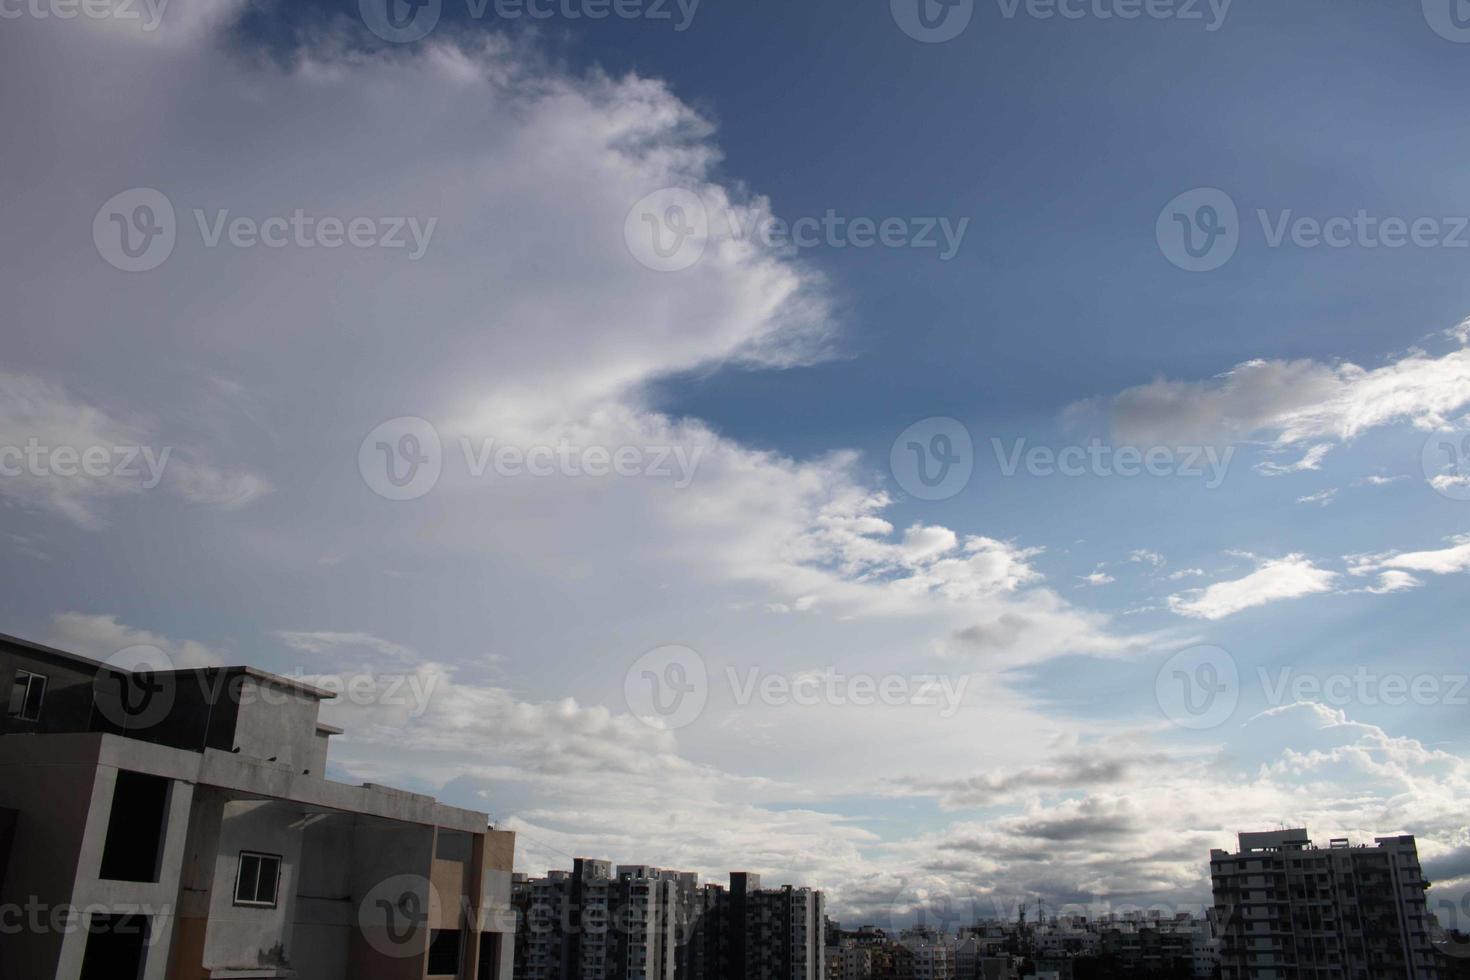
1056,609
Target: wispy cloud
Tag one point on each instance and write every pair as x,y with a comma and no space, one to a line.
1272,581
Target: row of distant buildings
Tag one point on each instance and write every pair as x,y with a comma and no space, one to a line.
179,826
1061,948
636,922
1284,909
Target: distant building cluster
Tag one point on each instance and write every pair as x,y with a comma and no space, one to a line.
1056,948
178,825
636,922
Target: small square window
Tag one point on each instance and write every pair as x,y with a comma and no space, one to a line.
26,695
257,879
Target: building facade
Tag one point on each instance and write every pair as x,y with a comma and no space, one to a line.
178,826
646,923
1288,910
592,924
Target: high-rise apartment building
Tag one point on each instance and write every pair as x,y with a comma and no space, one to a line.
592,924
1288,910
646,923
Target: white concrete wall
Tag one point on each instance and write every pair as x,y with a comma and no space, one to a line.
244,937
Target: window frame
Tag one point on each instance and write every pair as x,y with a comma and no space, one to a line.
25,683
261,857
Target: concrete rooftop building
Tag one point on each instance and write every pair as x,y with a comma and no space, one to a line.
178,826
1288,909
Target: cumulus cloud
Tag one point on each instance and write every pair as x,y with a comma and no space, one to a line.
1272,581
101,636
1292,404
63,455
531,172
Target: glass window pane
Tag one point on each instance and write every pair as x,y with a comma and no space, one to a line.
265,890
249,872
18,692
34,697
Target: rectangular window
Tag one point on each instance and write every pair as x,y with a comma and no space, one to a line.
257,879
26,696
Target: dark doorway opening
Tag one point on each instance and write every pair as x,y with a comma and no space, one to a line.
489,956
116,947
135,828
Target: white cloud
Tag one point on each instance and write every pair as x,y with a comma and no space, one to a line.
328,641
1272,581
199,483
1444,561
1292,402
1321,497
65,456
532,171
1311,461
101,636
